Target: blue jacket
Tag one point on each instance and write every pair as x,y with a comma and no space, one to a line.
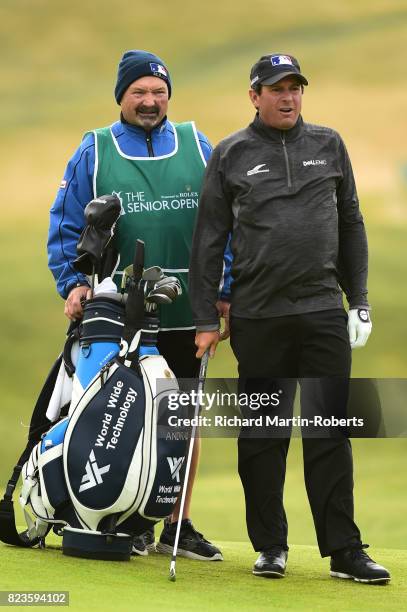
76,190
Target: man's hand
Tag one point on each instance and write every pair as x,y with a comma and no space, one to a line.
73,305
359,327
206,340
223,311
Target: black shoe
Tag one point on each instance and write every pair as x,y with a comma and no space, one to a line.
191,543
149,539
354,563
139,547
271,563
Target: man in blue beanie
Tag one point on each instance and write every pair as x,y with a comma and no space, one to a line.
156,169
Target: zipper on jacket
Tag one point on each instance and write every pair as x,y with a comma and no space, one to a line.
287,165
149,144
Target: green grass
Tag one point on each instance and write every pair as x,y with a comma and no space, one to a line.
143,583
380,484
218,510
218,502
59,63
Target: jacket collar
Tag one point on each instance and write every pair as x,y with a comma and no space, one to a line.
273,133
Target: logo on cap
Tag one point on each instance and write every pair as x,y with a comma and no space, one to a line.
157,68
277,60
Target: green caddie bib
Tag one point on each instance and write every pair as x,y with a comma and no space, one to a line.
159,198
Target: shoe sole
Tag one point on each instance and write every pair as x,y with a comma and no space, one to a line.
139,553
166,549
268,574
364,580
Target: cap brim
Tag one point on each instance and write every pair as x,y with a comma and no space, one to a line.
283,75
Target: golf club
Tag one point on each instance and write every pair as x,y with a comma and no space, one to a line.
201,383
165,291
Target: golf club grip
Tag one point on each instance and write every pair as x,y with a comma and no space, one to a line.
138,262
202,370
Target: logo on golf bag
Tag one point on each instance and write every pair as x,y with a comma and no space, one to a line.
93,474
175,466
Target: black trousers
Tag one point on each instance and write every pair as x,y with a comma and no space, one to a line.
297,347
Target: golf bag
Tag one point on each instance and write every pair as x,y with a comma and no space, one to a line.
107,469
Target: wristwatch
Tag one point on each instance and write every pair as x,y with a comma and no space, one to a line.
78,284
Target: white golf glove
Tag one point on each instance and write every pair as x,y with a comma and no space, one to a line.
359,327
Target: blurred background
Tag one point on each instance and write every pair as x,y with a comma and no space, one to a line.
58,71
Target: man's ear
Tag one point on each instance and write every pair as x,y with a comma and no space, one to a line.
254,98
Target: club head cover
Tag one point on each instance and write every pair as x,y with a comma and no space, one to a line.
135,293
109,262
101,215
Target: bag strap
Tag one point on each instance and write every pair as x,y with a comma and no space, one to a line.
72,337
8,530
39,424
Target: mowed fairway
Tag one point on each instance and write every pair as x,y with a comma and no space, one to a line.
142,583
218,510
58,66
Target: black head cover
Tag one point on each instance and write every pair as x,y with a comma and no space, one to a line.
101,215
135,296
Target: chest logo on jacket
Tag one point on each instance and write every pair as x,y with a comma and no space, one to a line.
257,170
314,162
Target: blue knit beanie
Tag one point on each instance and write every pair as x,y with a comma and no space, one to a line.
136,64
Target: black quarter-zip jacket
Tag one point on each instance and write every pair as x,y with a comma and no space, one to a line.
289,200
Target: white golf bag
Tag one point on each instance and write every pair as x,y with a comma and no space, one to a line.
110,466
110,470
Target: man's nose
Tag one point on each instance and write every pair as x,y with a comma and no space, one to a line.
149,98
287,94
